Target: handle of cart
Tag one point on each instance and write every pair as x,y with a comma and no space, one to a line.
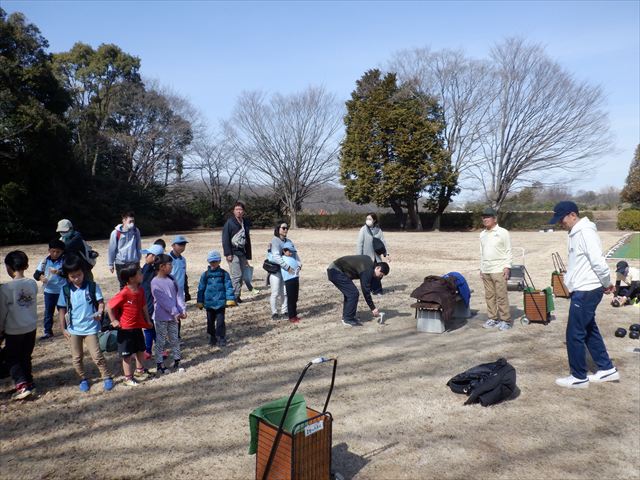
558,264
529,284
315,361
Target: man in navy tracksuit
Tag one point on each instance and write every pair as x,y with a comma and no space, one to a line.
343,271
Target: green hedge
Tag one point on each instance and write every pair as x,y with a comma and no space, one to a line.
629,219
457,221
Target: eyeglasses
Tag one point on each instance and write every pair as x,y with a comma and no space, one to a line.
284,228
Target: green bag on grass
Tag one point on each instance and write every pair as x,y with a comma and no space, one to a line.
272,412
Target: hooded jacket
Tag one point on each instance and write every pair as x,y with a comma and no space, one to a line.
124,246
587,268
215,288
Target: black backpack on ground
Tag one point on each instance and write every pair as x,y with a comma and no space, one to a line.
488,383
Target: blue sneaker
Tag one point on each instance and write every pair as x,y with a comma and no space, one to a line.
108,384
84,385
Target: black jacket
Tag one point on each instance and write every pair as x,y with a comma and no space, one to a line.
231,227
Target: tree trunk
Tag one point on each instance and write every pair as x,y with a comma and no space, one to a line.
412,213
397,210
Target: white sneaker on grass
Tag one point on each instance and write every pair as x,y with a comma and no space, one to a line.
490,323
572,382
600,376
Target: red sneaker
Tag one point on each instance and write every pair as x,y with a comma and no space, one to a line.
295,320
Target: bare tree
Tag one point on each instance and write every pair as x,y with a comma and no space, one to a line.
462,87
221,172
289,142
541,121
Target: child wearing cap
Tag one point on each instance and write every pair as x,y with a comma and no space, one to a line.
291,278
148,272
215,293
168,310
49,273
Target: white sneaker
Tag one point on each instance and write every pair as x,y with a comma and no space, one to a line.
610,375
502,326
490,323
572,382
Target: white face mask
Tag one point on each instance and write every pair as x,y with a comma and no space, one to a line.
128,226
369,222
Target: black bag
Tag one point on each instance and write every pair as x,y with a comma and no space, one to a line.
271,267
378,245
487,383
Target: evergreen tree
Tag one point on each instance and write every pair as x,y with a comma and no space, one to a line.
393,147
631,191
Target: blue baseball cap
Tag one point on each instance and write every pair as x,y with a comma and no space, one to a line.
289,246
213,256
563,209
153,250
179,239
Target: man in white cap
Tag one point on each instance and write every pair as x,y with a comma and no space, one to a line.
74,244
587,278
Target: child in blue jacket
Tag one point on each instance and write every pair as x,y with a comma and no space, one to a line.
215,293
49,272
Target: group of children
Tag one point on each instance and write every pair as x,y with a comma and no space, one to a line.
148,308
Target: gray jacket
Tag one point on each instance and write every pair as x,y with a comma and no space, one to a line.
124,247
275,253
365,242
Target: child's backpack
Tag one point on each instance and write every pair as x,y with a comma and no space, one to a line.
66,291
108,341
89,255
487,383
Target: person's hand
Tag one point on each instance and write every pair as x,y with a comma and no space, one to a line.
98,315
54,271
506,273
229,258
66,334
375,312
44,279
291,271
200,306
149,325
231,303
183,315
111,269
116,324
609,290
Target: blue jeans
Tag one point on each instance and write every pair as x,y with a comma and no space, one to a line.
348,289
50,302
582,331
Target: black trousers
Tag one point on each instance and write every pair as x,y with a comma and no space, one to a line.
18,350
292,287
215,323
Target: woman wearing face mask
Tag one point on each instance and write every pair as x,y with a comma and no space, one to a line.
367,233
125,245
278,293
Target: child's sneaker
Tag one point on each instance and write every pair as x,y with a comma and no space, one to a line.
142,374
130,382
254,292
222,342
212,340
107,384
21,393
84,385
294,320
46,336
160,369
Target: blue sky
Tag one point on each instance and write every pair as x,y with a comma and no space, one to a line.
209,52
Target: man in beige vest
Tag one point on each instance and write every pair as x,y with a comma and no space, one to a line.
495,268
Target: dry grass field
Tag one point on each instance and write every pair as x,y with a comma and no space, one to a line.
394,417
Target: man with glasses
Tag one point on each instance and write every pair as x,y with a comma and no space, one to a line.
236,244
